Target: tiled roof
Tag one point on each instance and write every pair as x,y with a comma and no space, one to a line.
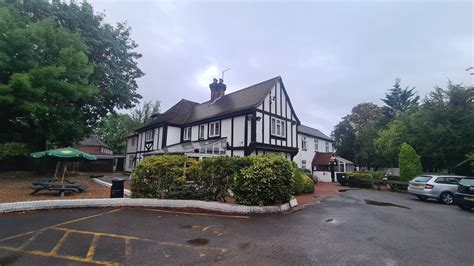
188,112
313,132
321,158
93,141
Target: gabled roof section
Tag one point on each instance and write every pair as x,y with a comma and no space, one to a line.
177,114
321,158
185,112
233,102
313,132
93,141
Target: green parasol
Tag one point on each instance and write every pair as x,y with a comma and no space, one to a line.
64,154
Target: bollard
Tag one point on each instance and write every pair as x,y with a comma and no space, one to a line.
116,191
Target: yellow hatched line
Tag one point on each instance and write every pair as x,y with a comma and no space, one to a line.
58,245
93,246
60,224
139,239
73,258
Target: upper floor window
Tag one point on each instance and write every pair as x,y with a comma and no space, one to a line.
327,147
149,135
303,143
187,133
316,145
278,127
201,131
214,129
133,141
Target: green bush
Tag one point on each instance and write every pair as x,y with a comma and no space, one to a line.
362,175
302,183
308,184
155,176
213,176
12,150
410,165
267,180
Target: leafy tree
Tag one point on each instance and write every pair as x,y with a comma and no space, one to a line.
111,50
114,128
142,114
365,154
45,93
399,100
388,141
344,139
363,114
410,165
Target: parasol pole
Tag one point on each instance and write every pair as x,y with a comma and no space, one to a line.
56,172
64,172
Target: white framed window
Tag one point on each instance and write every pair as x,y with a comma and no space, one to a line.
187,133
149,135
316,145
215,129
278,127
327,147
201,131
303,143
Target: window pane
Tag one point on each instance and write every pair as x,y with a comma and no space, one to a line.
278,127
217,129
273,125
211,131
283,129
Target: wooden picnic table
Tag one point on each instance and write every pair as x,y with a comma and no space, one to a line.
52,185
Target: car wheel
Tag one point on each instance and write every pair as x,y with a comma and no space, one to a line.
421,197
447,198
464,207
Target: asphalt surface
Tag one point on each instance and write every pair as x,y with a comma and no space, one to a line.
357,227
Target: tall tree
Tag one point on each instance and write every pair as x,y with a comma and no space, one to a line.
45,91
141,114
399,100
344,139
363,114
410,165
111,50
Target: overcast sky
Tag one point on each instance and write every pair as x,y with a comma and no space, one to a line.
331,55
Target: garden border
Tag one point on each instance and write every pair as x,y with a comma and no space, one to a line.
149,203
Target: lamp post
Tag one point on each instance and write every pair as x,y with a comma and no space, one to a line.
332,164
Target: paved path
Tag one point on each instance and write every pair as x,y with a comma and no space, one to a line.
343,229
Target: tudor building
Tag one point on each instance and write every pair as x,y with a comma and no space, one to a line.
256,120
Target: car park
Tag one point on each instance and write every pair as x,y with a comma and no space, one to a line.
464,196
439,187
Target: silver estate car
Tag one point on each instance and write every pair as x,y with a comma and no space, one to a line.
440,187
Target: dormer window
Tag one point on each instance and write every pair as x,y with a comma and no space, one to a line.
214,129
187,133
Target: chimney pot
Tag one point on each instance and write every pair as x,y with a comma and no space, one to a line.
217,89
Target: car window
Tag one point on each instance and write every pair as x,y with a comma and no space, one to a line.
441,180
467,182
422,178
452,180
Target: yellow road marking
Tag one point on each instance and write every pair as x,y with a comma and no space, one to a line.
67,222
73,258
202,214
56,248
139,239
91,251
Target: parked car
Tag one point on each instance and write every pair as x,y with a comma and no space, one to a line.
440,187
464,197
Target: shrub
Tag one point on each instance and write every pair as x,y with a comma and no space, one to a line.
154,176
302,183
361,175
12,150
267,180
410,165
213,176
308,184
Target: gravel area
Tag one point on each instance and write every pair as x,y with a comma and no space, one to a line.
16,186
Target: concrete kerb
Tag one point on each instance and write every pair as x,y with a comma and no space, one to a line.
149,203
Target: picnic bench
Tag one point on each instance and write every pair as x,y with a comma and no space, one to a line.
52,185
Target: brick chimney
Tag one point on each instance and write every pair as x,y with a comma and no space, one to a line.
217,89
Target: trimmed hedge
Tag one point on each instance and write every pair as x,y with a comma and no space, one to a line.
267,180
255,180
